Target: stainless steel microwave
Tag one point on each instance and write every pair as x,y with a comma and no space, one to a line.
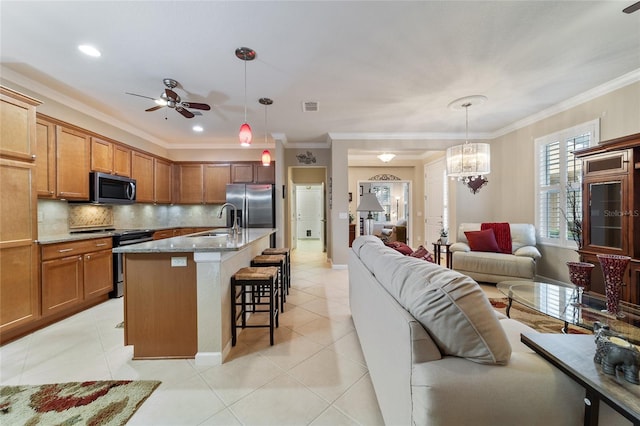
110,189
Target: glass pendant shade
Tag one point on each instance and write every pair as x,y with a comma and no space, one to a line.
266,158
469,160
245,135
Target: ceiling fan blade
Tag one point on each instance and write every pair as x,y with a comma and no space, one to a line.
171,94
141,96
196,105
185,113
155,108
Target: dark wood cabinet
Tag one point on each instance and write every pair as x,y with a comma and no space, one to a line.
611,208
253,172
352,233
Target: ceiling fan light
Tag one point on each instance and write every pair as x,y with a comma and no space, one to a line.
266,158
160,102
245,135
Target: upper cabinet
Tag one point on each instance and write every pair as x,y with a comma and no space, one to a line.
216,178
142,172
45,158
73,151
162,181
18,117
190,184
252,172
109,157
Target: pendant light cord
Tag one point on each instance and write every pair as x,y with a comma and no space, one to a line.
245,87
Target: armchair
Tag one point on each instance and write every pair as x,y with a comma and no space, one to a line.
397,232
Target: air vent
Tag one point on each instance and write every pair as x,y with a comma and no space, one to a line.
310,106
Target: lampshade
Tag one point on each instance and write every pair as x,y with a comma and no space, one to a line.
266,158
469,160
386,157
245,135
369,203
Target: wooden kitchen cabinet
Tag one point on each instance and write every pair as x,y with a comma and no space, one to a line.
109,157
142,172
19,291
17,133
75,271
162,181
45,158
73,152
164,233
252,172
190,183
216,178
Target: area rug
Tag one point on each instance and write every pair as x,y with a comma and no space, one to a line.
97,403
534,319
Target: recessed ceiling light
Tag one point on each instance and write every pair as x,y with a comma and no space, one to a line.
89,50
197,128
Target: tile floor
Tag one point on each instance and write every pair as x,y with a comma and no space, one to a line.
315,373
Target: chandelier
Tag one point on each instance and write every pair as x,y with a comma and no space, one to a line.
468,162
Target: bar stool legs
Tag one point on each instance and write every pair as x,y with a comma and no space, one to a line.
285,251
249,287
279,261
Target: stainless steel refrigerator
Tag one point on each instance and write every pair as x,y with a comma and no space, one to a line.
255,204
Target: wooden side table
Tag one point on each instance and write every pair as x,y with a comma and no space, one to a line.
437,250
352,233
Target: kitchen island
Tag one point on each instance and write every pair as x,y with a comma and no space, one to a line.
177,299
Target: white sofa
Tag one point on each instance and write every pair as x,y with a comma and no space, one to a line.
416,380
495,267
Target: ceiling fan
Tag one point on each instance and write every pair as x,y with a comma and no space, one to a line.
171,99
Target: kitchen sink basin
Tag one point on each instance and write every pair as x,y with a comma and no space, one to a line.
213,233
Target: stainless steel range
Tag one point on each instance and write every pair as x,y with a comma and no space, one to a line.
125,237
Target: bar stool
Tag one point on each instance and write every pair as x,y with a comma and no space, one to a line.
248,287
279,261
287,253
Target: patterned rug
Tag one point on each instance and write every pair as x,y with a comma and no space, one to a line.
76,403
533,318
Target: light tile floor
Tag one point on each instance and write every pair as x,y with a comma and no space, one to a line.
315,373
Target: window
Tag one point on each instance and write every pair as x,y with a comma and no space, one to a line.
558,183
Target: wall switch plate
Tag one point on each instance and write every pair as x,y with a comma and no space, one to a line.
178,261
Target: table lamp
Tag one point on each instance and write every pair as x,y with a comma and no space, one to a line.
369,203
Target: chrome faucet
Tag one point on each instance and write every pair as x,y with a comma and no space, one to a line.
234,228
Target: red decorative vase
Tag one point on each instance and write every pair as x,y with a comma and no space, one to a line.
580,276
613,267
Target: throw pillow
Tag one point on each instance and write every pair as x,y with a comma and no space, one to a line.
482,240
422,253
401,247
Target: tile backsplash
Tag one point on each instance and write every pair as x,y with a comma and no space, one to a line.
59,217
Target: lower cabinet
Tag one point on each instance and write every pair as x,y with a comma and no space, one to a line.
75,272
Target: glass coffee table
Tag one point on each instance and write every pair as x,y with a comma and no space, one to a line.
560,302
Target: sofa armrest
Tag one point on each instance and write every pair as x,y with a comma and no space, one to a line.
528,251
459,247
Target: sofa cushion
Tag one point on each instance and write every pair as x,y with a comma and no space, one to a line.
400,247
483,241
502,232
450,306
422,253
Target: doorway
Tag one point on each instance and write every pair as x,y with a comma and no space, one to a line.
394,198
307,227
436,201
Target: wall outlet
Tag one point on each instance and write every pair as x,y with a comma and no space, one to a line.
178,262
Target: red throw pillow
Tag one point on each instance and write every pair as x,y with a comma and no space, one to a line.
482,240
422,253
401,247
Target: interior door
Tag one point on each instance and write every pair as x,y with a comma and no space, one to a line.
435,206
309,211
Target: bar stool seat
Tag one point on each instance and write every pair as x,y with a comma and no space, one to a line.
279,261
287,253
249,287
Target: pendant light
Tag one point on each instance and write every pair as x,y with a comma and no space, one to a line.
469,161
246,54
266,155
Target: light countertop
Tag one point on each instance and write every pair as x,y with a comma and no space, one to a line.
200,242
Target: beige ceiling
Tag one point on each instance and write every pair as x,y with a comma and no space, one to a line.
382,70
